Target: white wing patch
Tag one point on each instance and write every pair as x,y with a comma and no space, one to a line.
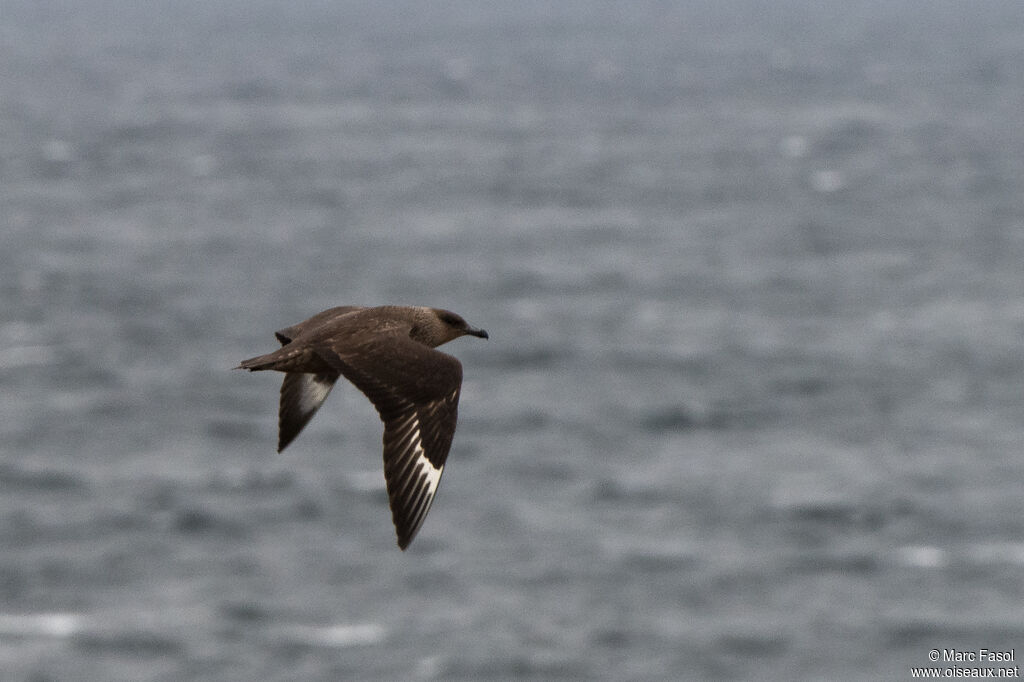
313,393
432,474
412,478
428,477
301,395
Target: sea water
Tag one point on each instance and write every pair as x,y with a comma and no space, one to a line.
752,403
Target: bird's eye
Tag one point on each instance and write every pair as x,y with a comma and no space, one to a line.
452,320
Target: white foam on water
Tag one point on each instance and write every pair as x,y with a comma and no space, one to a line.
26,356
985,553
334,636
997,553
922,556
827,181
365,481
57,625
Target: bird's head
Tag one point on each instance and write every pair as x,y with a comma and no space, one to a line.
440,326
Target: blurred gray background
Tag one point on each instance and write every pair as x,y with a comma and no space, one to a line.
752,404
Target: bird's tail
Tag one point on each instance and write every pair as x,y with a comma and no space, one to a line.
285,359
258,363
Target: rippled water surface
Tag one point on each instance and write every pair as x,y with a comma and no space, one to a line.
752,403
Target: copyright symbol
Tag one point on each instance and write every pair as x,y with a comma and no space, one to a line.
933,655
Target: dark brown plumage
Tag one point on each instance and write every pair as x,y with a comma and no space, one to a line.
388,353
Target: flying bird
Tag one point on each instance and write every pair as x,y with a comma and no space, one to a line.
388,353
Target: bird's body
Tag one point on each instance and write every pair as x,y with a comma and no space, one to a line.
388,353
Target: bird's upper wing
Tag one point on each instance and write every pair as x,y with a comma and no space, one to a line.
416,392
286,335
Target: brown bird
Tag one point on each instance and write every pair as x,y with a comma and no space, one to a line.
388,353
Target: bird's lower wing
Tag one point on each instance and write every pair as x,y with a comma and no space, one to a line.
416,392
301,396
412,476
